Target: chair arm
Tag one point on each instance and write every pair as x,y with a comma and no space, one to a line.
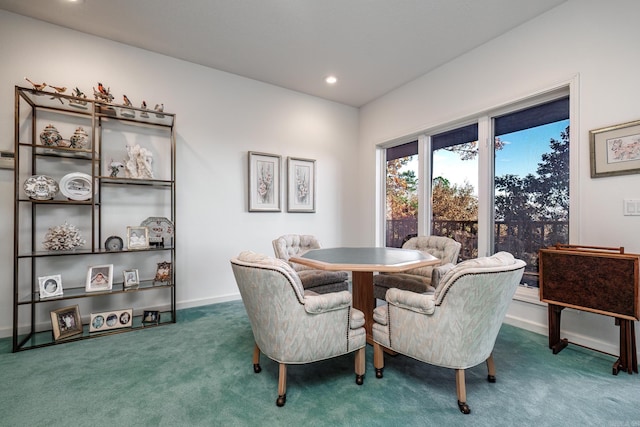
322,303
357,319
420,303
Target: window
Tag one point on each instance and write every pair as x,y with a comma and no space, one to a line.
497,182
531,182
454,187
401,194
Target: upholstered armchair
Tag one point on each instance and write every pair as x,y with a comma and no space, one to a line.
455,327
293,327
418,279
318,281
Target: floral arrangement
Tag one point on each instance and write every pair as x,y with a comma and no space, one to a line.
63,238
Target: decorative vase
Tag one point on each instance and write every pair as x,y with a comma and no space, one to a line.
50,136
79,139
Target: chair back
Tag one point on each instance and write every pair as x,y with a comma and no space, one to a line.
471,302
290,245
445,249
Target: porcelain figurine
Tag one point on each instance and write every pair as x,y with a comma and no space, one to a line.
127,112
102,94
144,107
50,136
78,103
36,86
79,139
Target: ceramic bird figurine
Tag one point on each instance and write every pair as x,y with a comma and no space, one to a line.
59,89
126,101
102,90
36,86
78,93
159,108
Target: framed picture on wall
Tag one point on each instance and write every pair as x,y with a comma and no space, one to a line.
301,185
264,182
615,150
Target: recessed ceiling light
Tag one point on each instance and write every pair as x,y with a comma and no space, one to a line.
331,80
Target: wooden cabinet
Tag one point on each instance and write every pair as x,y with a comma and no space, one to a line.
101,195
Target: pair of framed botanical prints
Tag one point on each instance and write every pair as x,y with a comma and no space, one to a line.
264,183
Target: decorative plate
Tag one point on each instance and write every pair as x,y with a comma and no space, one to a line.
159,228
41,187
113,243
76,186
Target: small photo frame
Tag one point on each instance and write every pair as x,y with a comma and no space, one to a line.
50,286
131,278
615,150
150,317
108,320
137,238
99,278
264,182
163,273
66,322
301,185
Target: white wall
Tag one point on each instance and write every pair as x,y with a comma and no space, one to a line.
594,40
220,117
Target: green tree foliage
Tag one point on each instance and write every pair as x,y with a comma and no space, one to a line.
537,198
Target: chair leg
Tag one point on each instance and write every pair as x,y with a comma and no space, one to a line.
491,367
378,359
462,392
360,365
256,359
282,385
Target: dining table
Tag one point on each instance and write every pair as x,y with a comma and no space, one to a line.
363,262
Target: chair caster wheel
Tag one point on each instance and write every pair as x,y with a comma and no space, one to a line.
491,378
256,368
281,400
379,372
464,408
359,379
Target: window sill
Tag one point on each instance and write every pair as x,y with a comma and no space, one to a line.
528,295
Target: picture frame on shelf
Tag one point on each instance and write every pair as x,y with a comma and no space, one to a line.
137,237
163,273
301,185
66,322
113,244
99,278
615,150
150,317
131,278
108,320
50,286
264,182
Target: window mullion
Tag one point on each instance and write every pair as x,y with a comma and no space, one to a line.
485,186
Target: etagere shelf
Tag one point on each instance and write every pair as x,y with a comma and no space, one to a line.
115,202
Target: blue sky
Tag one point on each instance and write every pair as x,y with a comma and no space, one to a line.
520,155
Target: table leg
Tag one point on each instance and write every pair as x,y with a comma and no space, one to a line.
556,344
363,300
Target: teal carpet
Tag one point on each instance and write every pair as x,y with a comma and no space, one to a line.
198,372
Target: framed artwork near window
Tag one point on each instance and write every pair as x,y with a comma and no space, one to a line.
301,185
99,278
66,322
615,150
264,182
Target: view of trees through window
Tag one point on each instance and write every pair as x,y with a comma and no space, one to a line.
531,186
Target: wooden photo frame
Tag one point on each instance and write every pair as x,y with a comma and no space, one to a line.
66,322
615,150
108,320
99,278
264,182
150,317
130,278
137,238
163,273
301,185
50,286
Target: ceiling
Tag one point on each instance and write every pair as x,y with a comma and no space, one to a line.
372,46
